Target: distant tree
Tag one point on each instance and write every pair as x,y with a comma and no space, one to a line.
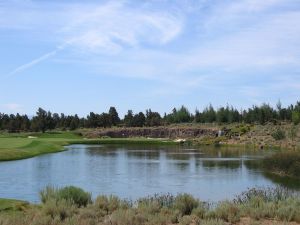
198,116
153,118
114,117
209,114
104,120
41,120
92,120
182,115
138,120
25,124
50,123
74,124
128,118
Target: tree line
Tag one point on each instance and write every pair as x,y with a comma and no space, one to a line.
45,120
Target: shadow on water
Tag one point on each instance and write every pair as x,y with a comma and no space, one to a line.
284,181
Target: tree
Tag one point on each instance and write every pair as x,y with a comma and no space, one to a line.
128,118
41,120
74,124
209,114
114,117
153,118
91,120
104,120
182,115
138,120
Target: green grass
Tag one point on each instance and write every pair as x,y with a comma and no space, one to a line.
11,204
19,146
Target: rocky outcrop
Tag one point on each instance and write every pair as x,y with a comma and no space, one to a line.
152,132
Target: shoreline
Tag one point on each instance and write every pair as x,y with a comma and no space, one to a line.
42,146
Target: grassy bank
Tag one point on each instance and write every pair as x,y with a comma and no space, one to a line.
26,145
72,205
12,205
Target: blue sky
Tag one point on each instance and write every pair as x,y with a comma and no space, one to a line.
81,56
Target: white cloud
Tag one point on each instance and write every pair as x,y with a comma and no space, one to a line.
218,43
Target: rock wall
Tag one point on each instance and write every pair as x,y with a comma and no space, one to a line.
152,132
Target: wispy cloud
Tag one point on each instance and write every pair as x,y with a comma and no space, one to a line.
36,61
95,28
186,44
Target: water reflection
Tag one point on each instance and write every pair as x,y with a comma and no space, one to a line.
135,171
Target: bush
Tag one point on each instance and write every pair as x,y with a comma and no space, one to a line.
60,209
72,194
109,204
185,203
296,117
126,217
76,195
278,135
228,211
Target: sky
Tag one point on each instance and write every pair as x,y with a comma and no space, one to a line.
76,56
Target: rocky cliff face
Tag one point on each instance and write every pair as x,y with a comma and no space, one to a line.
153,132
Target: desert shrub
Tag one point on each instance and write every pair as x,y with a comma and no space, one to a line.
58,209
185,203
257,208
201,210
160,218
164,200
126,217
227,211
73,194
288,210
188,219
47,193
109,204
149,207
212,222
278,135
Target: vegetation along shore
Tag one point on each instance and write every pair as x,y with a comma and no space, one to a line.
72,205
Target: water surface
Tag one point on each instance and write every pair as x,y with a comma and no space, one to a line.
137,171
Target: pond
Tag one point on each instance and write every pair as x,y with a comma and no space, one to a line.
211,174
